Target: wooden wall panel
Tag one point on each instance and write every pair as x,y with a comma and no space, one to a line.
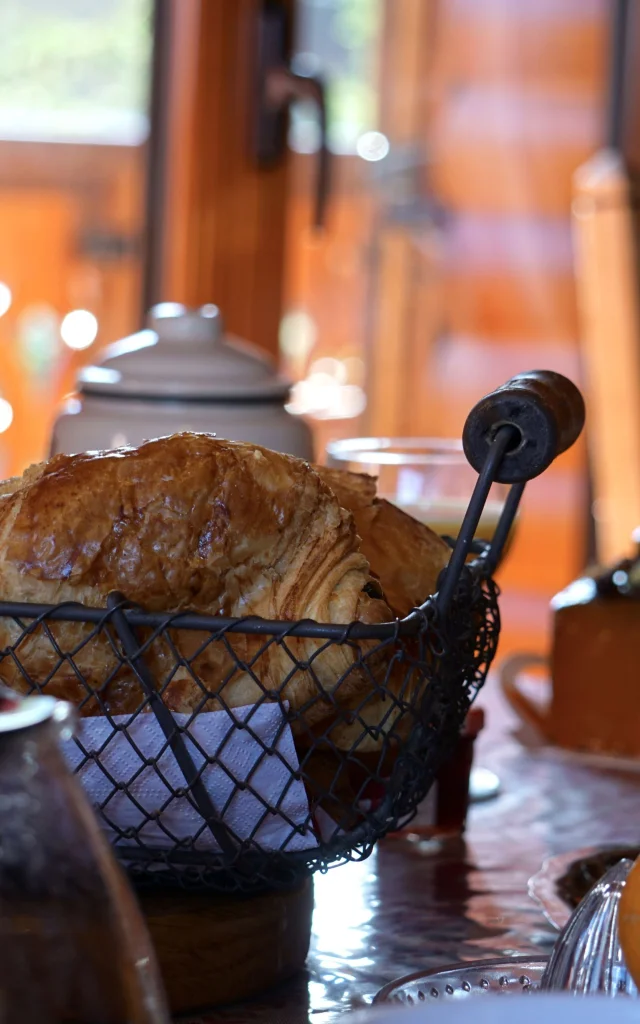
510,307
504,100
59,205
105,186
497,40
532,182
607,262
36,249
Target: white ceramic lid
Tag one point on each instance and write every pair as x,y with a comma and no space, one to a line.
183,354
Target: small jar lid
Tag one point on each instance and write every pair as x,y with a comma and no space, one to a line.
18,712
183,354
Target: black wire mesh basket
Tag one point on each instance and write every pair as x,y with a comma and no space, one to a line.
239,797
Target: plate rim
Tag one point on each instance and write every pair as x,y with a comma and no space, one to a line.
542,887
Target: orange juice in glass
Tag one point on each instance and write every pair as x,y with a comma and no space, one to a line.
429,478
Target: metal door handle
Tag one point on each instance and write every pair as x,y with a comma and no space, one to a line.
277,87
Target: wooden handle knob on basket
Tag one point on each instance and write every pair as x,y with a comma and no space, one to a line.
547,413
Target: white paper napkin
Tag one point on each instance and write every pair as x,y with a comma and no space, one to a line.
236,750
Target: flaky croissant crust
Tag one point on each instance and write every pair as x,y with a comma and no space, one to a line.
185,522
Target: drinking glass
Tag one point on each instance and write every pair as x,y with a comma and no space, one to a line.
429,478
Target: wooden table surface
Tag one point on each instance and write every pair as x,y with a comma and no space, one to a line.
416,905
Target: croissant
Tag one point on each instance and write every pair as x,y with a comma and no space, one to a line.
186,522
407,558
404,554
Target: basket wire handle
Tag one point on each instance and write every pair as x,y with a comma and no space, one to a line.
504,437
501,533
165,720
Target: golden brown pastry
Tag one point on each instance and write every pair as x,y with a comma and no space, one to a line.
354,491
186,522
407,557
404,554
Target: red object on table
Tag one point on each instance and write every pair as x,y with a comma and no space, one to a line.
443,812
444,809
452,784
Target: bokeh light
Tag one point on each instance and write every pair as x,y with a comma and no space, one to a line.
79,329
6,298
6,415
324,394
372,146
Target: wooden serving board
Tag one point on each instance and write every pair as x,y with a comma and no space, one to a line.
214,949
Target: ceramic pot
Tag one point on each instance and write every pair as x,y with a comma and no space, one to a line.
181,373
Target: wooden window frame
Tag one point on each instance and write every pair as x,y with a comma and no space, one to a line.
216,219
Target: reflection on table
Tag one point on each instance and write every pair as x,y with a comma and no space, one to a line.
415,905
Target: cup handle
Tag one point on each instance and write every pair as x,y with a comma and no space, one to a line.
527,711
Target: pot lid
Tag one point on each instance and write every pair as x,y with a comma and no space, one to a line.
183,354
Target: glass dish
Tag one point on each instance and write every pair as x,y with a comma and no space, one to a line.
510,976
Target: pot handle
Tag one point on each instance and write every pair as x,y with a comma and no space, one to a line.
508,674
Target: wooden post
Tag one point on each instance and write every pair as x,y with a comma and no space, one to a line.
405,54
222,217
607,280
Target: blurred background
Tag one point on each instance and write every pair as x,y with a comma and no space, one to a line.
458,131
